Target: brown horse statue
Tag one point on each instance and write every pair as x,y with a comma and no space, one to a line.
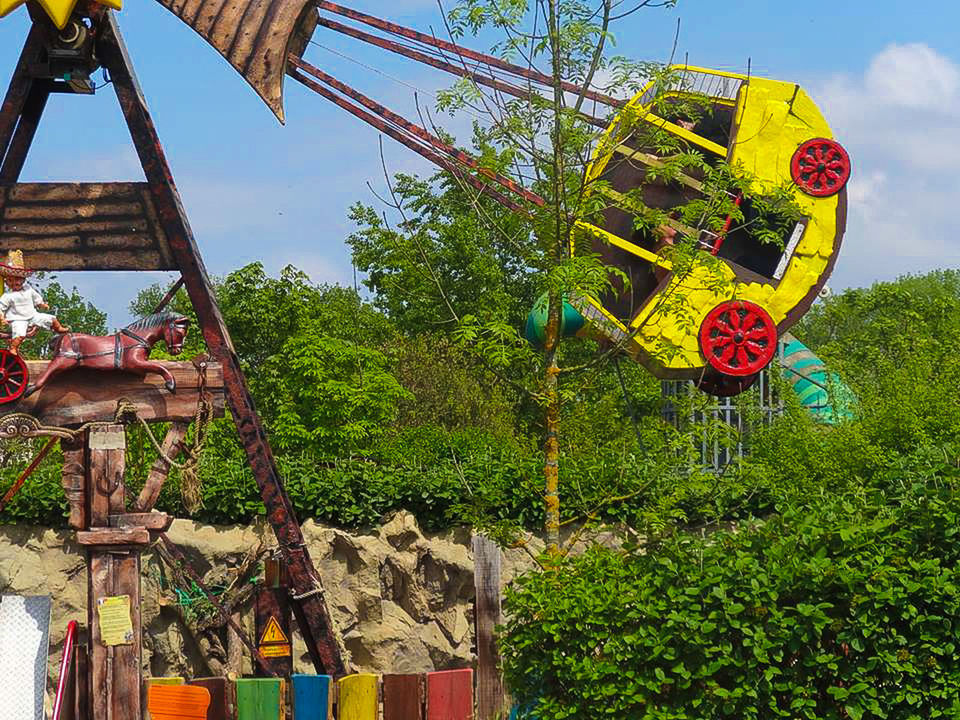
127,350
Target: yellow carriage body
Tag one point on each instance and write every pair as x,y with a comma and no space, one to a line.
768,121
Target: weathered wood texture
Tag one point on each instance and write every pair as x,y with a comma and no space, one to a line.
83,226
254,37
490,699
450,695
172,445
311,697
175,702
403,697
113,536
151,521
220,706
273,604
260,699
81,680
83,395
72,479
358,697
111,571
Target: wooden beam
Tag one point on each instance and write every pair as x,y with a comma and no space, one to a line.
486,574
111,571
114,536
82,395
83,226
171,446
148,520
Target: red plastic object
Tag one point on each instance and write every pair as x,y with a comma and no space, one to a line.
13,377
65,661
820,167
738,338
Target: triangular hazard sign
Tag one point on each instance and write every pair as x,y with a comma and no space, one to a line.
273,633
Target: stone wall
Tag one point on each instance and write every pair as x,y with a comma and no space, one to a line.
401,601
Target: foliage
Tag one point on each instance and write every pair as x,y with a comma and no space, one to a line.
841,607
328,394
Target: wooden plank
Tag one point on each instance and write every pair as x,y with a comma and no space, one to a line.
171,446
220,707
83,226
311,697
175,702
150,520
81,681
403,697
72,479
114,536
358,697
450,695
260,699
115,669
83,395
148,682
254,36
486,579
272,630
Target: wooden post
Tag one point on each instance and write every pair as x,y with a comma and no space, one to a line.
272,623
73,475
112,570
486,578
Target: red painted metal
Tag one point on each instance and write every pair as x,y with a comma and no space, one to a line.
416,130
459,70
406,139
820,167
718,243
65,662
462,52
738,338
13,377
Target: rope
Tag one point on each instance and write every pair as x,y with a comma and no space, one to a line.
190,484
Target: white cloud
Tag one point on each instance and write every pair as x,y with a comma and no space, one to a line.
913,76
899,122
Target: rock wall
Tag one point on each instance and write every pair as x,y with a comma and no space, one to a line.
401,601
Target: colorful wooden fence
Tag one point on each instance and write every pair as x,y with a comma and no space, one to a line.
445,695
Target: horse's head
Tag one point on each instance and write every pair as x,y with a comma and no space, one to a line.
174,333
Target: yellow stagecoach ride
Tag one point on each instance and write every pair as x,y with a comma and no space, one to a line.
719,319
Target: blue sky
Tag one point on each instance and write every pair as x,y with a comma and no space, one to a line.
886,77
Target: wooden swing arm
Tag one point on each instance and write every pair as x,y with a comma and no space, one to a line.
462,52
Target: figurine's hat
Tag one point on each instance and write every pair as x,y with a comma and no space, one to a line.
14,267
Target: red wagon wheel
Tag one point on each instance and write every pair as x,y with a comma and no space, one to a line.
820,167
738,338
13,377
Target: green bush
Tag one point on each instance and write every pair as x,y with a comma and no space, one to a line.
843,607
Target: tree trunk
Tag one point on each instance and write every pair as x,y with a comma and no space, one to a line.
551,448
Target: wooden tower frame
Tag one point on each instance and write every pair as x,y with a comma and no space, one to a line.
137,226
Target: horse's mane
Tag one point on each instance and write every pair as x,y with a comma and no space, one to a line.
152,321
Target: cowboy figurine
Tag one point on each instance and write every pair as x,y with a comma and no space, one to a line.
19,303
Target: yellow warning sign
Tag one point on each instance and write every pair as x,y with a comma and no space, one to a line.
272,651
274,634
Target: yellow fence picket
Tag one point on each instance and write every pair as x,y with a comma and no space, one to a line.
358,697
